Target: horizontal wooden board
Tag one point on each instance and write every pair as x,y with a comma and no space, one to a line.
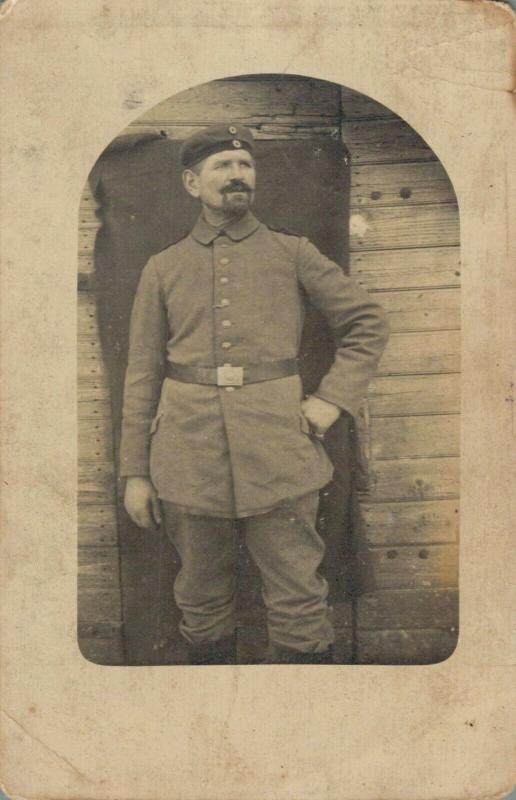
400,184
416,353
356,105
95,439
247,102
87,236
89,345
261,131
87,320
415,437
96,483
86,264
91,366
97,525
98,585
414,394
384,140
406,269
409,608
429,646
95,471
422,567
411,522
421,309
92,388
414,479
94,409
404,226
88,214
98,493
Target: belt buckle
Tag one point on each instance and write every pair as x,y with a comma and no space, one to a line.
230,376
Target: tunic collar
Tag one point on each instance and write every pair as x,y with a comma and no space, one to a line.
237,230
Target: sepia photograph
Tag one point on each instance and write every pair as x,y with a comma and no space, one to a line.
268,383
257,399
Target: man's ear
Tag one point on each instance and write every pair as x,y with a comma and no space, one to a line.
191,182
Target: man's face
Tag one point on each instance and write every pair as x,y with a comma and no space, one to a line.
224,181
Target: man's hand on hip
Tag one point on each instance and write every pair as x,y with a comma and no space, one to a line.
141,502
320,414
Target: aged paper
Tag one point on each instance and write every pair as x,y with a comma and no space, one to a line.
73,76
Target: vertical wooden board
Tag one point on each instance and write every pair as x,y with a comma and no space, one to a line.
420,353
97,525
407,567
414,394
414,479
383,141
404,226
422,522
406,269
248,101
429,646
415,437
400,184
409,608
421,309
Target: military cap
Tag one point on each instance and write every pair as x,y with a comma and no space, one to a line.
214,139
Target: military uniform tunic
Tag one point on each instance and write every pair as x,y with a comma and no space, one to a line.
236,297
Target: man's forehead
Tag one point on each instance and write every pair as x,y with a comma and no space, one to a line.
229,155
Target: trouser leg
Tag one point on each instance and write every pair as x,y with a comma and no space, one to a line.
205,586
287,549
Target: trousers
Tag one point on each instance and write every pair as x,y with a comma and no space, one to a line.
287,550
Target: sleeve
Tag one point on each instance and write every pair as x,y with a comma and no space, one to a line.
144,375
358,323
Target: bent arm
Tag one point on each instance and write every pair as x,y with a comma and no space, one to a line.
358,323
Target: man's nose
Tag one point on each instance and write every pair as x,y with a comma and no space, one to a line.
236,171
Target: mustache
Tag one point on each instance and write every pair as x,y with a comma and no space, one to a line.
236,186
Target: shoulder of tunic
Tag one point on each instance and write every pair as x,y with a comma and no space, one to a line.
172,244
285,231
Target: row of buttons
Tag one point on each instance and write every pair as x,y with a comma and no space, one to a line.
226,323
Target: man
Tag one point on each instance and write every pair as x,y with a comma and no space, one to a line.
216,433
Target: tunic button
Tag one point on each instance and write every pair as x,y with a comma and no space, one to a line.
224,260
226,345
226,323
224,279
232,129
224,301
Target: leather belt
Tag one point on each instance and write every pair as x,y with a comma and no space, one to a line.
228,375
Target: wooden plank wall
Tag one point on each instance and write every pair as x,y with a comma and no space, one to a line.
404,242
404,246
99,601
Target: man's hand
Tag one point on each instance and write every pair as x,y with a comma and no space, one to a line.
320,414
141,502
